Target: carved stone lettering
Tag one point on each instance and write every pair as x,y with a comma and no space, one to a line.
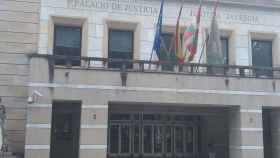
124,6
137,7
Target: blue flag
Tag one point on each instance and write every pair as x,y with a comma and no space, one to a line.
157,40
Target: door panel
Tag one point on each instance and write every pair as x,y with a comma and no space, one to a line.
65,130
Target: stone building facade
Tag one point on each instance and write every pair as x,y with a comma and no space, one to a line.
89,106
19,22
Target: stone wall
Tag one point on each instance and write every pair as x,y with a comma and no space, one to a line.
18,37
240,24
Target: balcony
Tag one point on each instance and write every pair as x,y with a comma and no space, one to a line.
147,82
144,66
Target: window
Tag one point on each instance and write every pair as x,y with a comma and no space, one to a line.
262,56
120,47
167,52
67,43
225,49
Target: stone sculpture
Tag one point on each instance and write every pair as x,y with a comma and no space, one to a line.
3,134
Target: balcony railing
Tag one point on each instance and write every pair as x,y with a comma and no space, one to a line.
158,67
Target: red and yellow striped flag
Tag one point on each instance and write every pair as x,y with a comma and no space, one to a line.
178,43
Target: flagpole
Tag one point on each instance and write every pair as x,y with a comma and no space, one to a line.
207,38
150,60
203,48
176,37
157,33
151,56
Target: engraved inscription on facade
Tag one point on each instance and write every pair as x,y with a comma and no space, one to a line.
123,6
229,17
137,7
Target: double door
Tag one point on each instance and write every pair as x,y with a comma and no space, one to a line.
146,138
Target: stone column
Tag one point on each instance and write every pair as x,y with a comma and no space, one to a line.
93,135
245,132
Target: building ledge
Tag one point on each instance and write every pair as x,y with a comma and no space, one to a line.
143,66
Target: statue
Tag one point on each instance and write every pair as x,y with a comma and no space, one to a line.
3,134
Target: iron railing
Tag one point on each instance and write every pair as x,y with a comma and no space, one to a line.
158,67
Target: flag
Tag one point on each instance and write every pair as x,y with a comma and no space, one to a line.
157,40
214,51
190,41
178,43
191,37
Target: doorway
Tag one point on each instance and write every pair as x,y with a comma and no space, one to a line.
65,131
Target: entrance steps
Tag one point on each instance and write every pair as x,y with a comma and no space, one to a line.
6,155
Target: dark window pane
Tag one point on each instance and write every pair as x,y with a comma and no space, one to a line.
167,52
120,47
262,56
148,132
67,43
158,139
125,139
189,140
168,139
121,41
68,36
136,139
225,49
179,146
114,139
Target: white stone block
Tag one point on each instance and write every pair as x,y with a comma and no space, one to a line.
145,56
92,30
242,62
146,47
98,17
43,40
95,43
95,53
44,26
69,13
99,31
241,41
46,12
242,53
43,50
148,35
96,64
54,3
